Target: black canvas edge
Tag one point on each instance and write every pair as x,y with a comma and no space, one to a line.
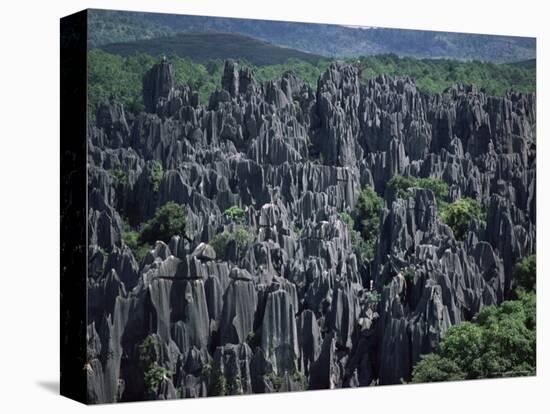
73,202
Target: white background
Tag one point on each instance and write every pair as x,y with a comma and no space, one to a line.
29,205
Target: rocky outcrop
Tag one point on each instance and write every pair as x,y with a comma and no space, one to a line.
158,82
239,307
276,297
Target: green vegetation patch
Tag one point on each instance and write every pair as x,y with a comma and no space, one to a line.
526,273
235,213
364,222
218,384
358,245
155,174
120,175
500,342
275,380
240,235
402,186
458,215
167,221
153,374
367,218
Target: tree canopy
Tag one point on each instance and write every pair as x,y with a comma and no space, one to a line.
458,215
499,342
167,221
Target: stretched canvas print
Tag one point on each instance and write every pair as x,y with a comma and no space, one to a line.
256,206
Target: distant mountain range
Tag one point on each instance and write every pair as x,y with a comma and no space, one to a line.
317,39
203,47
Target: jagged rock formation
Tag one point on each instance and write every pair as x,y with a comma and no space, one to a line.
291,309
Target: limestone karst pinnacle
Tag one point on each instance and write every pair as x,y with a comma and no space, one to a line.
291,308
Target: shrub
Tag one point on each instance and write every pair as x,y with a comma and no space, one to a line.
275,380
299,378
402,187
438,187
206,371
120,175
434,368
140,242
132,240
235,213
362,249
145,349
526,273
239,234
167,221
367,219
218,385
368,208
373,298
155,174
458,215
347,219
153,374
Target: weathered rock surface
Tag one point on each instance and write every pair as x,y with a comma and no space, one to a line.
290,307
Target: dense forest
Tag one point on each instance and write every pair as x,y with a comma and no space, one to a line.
114,75
108,26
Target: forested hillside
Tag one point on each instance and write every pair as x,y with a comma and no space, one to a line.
330,40
203,47
108,26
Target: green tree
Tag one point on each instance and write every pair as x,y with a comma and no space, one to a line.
499,342
120,175
367,217
436,185
155,174
240,235
458,215
235,213
358,245
526,273
463,344
509,335
167,221
153,373
132,240
402,186
434,368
